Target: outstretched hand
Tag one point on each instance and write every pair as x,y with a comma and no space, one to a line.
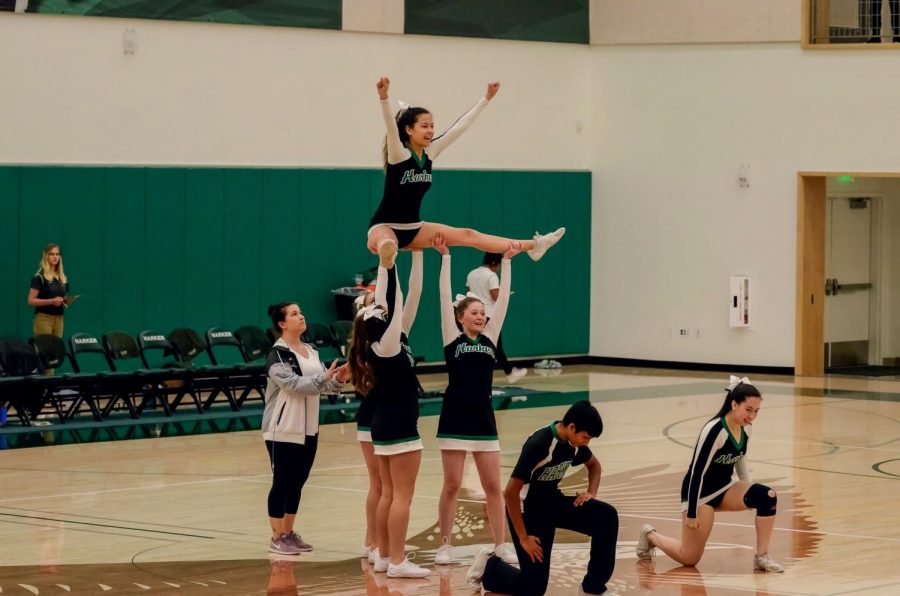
332,370
515,247
439,244
492,90
382,85
343,374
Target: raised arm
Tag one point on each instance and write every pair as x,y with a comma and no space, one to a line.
462,123
413,292
449,330
396,152
492,329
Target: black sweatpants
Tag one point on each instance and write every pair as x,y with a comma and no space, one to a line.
291,464
594,518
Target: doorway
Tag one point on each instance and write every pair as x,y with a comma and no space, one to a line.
845,318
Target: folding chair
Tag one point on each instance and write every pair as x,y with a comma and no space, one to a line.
51,350
189,348
17,361
341,331
254,342
150,342
156,349
255,345
87,352
225,349
226,344
323,339
124,355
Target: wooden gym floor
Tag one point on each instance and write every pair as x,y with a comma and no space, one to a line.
187,515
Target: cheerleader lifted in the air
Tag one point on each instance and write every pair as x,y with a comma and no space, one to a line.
410,148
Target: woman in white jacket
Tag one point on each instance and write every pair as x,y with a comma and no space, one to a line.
290,424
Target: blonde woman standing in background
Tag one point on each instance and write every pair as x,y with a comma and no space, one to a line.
47,293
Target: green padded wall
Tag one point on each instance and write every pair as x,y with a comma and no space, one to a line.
159,248
317,14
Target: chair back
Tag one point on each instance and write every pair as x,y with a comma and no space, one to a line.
50,349
156,351
187,344
122,350
341,331
223,347
88,354
19,358
253,341
322,338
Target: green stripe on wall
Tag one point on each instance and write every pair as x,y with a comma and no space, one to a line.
565,21
316,14
160,248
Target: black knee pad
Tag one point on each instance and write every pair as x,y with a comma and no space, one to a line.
758,497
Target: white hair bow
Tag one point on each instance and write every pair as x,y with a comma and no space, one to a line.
460,298
360,300
373,310
403,106
734,381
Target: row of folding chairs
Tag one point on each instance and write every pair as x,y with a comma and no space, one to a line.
117,371
120,371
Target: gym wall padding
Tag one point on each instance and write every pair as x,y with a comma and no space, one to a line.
159,248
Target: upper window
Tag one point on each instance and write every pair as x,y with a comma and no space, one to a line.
851,22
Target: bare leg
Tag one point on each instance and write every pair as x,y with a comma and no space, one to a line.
734,501
377,235
453,463
488,465
461,237
374,494
277,524
764,527
384,506
689,549
289,522
404,467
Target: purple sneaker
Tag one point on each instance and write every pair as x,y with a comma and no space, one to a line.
283,546
294,539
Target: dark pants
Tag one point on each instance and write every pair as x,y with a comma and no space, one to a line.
502,361
875,12
596,519
291,464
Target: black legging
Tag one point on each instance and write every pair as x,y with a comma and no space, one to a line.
594,518
291,463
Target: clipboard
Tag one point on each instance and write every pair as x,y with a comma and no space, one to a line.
69,300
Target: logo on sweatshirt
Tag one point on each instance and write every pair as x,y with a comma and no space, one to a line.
556,472
412,176
728,459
